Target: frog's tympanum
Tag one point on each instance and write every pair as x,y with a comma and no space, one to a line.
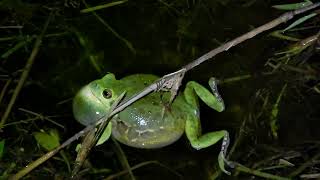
151,122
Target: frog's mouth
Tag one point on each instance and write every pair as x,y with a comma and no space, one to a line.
87,108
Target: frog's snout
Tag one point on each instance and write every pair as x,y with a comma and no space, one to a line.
86,106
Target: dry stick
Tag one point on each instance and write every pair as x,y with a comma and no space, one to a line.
283,18
25,73
90,140
86,145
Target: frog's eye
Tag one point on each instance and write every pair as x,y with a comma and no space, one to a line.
107,93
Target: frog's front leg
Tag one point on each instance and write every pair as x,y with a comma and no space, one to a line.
193,126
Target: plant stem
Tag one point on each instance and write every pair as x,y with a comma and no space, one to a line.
259,173
25,73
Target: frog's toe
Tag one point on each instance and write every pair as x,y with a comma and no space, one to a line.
222,161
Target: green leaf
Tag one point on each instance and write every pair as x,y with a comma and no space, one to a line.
275,112
105,135
293,6
280,35
78,147
299,21
1,148
49,141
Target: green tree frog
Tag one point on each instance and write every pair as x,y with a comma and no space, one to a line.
151,122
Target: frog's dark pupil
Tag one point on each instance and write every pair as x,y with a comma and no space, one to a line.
107,93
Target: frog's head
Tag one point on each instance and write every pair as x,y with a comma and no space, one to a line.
94,100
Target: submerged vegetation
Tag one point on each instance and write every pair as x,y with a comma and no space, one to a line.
270,85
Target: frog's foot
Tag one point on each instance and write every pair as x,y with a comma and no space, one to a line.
222,161
209,139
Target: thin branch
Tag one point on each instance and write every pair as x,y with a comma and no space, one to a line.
40,116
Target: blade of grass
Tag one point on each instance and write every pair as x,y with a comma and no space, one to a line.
293,6
2,142
299,21
4,89
90,9
126,42
123,158
275,112
25,73
17,46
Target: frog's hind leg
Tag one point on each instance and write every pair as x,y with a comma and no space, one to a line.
213,100
193,126
199,141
